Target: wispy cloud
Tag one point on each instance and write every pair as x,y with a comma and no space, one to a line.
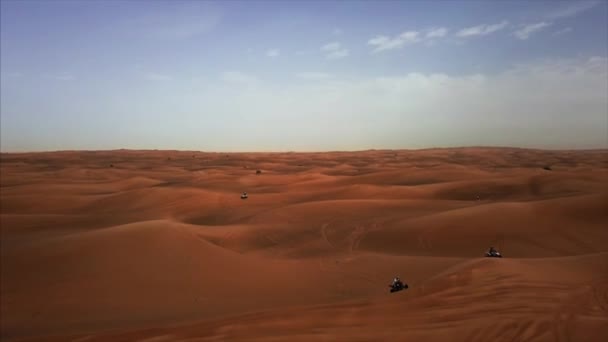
330,46
598,60
313,76
338,54
334,50
526,31
273,53
410,36
384,43
428,37
437,32
482,30
562,31
336,32
571,9
510,106
152,76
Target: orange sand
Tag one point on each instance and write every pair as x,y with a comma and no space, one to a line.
161,247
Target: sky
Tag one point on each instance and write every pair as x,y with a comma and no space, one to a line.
302,75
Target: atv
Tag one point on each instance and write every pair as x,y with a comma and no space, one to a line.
398,287
493,254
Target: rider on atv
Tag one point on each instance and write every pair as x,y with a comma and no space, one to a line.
397,282
493,253
397,285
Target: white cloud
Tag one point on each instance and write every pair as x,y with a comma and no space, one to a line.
313,76
273,53
525,32
410,36
571,9
482,30
152,76
553,103
597,59
383,43
334,50
237,77
562,31
337,54
437,32
330,46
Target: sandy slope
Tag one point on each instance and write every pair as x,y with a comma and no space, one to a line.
157,245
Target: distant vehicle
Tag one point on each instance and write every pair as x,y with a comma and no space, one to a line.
397,285
244,195
493,253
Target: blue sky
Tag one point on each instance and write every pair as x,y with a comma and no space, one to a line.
302,75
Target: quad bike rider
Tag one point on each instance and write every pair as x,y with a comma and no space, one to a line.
493,253
397,285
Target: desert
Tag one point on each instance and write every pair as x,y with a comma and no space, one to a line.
155,245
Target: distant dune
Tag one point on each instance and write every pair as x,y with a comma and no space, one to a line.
158,245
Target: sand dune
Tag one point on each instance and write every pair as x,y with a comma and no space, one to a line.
157,245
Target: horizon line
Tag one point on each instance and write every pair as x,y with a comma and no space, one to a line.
488,147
